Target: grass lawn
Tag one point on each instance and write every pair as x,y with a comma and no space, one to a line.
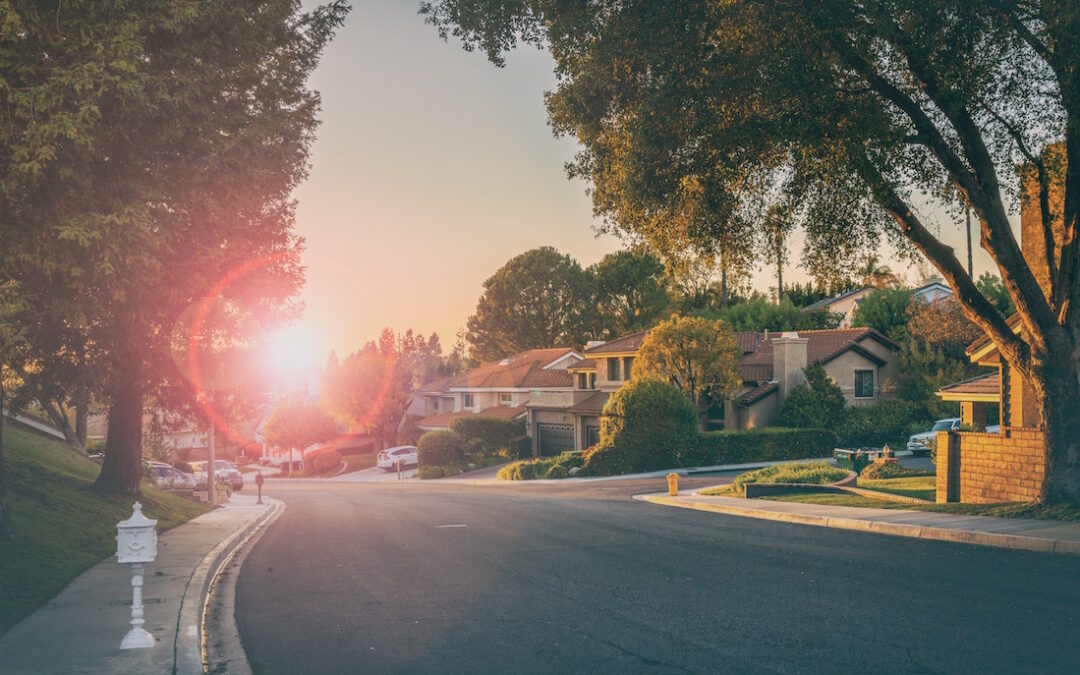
62,526
920,487
1033,511
358,462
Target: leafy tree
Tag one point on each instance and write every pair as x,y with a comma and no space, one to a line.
759,315
924,370
139,165
802,295
873,273
818,404
943,325
886,311
370,389
297,423
630,290
876,103
537,300
698,356
990,285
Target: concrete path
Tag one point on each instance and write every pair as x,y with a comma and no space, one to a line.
1047,536
79,631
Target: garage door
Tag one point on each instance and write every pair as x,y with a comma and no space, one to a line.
555,438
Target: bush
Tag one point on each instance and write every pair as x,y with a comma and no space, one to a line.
768,444
326,462
888,421
542,467
881,470
645,426
489,435
430,472
817,404
438,448
810,473
557,472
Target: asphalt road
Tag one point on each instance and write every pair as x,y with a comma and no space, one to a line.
429,578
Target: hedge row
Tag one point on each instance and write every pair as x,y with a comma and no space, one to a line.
489,436
768,444
542,467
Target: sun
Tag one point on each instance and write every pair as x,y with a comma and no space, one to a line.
293,350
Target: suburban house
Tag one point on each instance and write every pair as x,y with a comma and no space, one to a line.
861,361
843,304
932,291
498,389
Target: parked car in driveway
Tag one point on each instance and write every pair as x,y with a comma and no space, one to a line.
389,458
170,478
224,471
920,443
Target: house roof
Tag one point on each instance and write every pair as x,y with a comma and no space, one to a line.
822,304
627,343
1013,322
527,370
592,405
748,398
982,387
822,346
442,420
587,364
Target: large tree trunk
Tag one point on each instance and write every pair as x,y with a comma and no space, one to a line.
7,533
1057,390
55,411
82,415
122,469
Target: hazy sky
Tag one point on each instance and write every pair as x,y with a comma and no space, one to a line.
432,168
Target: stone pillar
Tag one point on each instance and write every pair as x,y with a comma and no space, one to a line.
948,467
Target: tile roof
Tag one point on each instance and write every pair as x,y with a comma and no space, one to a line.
587,364
990,383
592,405
822,346
1013,322
520,371
626,343
748,398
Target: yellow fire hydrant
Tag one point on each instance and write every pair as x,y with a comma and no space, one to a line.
673,484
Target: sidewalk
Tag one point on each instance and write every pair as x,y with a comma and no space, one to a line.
79,630
1048,536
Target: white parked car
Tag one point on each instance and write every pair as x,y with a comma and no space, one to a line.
225,472
169,477
920,443
389,458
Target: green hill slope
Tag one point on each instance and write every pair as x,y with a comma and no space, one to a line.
62,526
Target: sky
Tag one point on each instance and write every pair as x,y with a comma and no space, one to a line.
431,169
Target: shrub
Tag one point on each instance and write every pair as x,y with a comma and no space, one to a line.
326,462
645,425
438,448
817,404
408,432
768,444
430,472
888,421
542,467
488,434
557,471
880,470
812,473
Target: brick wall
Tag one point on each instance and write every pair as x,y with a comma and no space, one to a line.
982,468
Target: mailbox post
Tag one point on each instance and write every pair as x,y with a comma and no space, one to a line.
259,479
136,544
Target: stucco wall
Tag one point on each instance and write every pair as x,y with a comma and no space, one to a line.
760,414
842,371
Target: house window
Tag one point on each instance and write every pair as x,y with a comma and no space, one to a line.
592,436
506,399
582,381
592,380
613,370
627,366
864,384
468,401
434,403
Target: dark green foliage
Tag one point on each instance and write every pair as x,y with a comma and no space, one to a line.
542,467
759,314
924,370
488,435
431,472
409,433
440,448
990,285
767,444
816,404
802,295
803,473
886,311
644,427
326,462
631,293
890,422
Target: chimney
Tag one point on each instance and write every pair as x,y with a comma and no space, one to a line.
592,344
789,360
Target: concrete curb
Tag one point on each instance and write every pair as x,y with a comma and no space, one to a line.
188,646
993,539
226,653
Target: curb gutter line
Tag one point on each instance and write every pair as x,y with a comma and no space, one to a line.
994,539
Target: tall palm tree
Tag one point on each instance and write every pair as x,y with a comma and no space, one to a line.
875,274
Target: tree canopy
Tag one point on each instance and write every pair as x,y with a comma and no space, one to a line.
871,107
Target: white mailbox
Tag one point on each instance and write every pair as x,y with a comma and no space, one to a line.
136,538
136,544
